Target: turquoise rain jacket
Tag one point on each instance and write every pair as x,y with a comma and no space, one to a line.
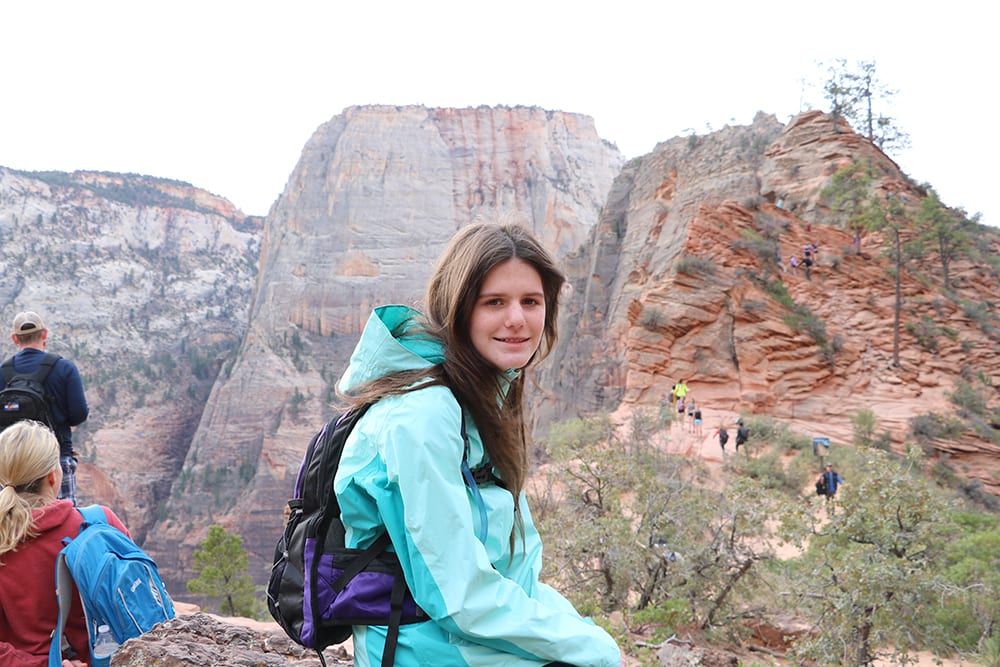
401,469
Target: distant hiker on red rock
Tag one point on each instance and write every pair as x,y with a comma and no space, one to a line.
723,435
742,434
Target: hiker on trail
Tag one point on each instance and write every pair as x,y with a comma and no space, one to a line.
33,523
67,404
809,257
742,434
666,405
690,414
680,390
681,411
723,438
697,419
831,482
793,262
448,386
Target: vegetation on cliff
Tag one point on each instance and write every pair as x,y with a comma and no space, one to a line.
658,543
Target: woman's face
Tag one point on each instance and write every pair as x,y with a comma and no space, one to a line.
509,315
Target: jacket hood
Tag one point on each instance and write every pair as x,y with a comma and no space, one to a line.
391,342
52,515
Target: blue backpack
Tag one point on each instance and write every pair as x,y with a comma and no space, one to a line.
118,583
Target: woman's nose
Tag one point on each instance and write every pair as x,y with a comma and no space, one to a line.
515,315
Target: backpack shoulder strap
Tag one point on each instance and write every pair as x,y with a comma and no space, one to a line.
92,514
8,369
64,593
44,368
42,372
471,481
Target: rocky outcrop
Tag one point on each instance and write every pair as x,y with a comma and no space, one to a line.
683,283
375,197
630,307
197,640
144,284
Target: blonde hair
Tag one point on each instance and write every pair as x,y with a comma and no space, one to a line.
28,452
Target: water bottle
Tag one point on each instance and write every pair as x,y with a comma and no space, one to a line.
105,643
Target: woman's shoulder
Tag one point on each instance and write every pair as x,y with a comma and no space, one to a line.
432,403
57,514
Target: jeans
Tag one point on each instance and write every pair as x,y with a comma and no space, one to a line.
68,489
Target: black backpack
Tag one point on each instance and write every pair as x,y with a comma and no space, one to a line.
23,396
313,592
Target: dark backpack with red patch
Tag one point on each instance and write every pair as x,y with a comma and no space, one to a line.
23,396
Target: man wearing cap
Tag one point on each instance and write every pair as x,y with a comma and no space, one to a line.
63,387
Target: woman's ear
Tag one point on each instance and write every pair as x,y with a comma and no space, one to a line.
54,479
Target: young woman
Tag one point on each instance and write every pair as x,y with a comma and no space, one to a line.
471,555
32,525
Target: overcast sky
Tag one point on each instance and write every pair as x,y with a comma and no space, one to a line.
224,94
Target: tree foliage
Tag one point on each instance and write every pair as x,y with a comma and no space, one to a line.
636,528
863,422
896,567
853,191
972,566
222,565
875,569
856,94
948,232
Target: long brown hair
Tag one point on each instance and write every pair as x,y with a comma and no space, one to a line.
449,302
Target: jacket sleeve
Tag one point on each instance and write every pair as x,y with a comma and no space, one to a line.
426,509
77,409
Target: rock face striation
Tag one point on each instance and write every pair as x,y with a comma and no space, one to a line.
210,342
375,197
687,277
144,283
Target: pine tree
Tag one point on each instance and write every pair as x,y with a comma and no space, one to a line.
852,192
855,93
947,231
222,565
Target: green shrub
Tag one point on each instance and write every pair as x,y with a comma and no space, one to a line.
863,423
652,319
932,426
662,620
967,399
765,249
695,266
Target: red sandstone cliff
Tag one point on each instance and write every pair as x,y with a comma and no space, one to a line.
676,289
